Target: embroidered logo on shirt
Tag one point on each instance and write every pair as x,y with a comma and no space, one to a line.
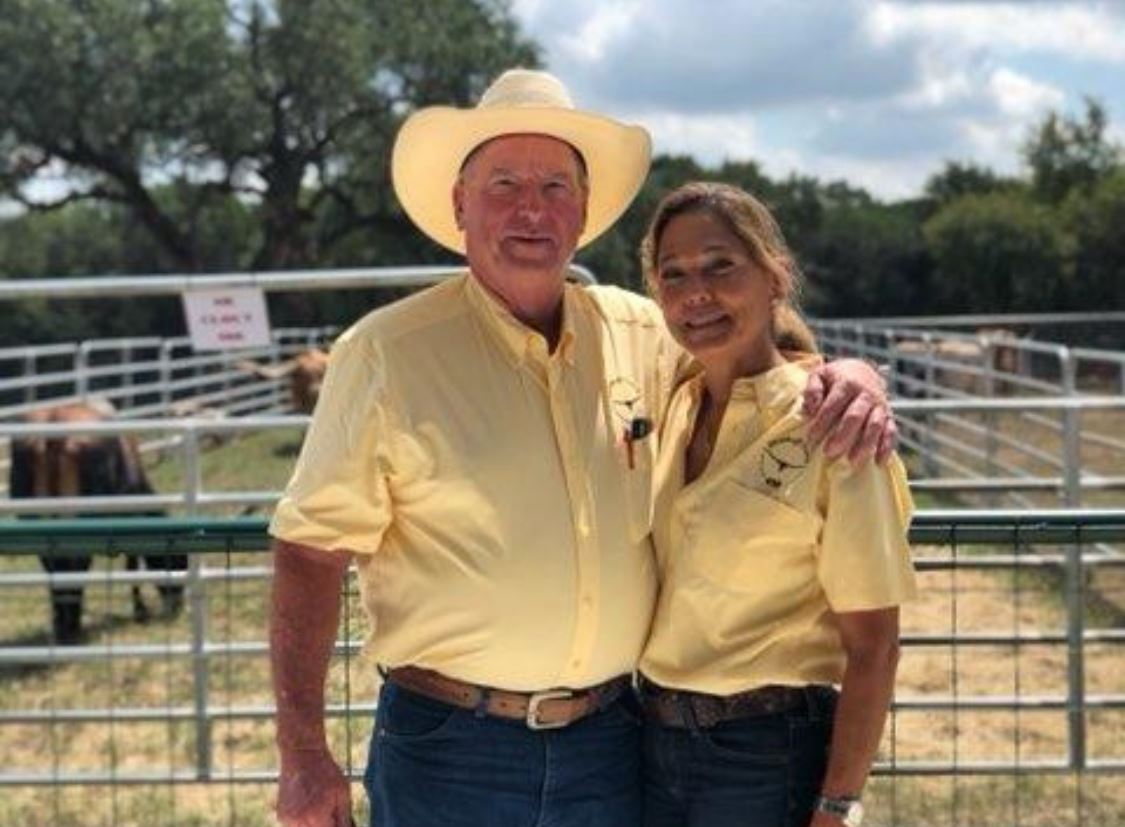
625,398
782,460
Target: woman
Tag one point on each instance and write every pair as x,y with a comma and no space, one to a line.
781,571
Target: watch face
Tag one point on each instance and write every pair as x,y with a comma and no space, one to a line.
854,816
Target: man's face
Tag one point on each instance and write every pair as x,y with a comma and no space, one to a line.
521,202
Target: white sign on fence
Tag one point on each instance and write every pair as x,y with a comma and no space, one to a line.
227,318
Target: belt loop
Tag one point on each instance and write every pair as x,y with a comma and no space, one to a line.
383,671
481,709
687,712
812,710
602,699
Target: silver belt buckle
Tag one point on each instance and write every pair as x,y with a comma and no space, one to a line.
532,718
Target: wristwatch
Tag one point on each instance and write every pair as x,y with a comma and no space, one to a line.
846,808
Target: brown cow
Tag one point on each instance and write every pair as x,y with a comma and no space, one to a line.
305,371
72,466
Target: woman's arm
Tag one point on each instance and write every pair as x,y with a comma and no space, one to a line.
870,639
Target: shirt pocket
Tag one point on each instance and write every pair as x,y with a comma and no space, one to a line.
749,542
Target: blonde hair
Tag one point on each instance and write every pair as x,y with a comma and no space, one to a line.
753,224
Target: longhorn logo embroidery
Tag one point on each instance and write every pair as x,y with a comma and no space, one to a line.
782,460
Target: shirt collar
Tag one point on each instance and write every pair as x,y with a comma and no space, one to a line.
777,387
518,341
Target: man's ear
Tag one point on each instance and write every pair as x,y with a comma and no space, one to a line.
458,204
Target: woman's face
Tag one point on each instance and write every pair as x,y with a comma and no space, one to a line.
716,300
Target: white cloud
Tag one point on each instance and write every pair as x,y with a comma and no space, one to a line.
711,140
607,24
1085,31
1019,96
879,91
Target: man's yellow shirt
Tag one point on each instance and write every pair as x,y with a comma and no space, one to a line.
499,515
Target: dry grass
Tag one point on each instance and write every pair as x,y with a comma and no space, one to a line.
965,601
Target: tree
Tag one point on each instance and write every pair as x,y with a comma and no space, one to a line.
959,179
996,253
865,259
1066,154
168,108
1095,223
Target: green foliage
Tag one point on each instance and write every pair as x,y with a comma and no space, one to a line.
288,104
957,180
1065,154
866,259
1096,223
996,253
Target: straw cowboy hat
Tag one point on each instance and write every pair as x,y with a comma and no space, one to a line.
434,143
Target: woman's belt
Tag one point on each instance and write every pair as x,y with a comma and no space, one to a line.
686,710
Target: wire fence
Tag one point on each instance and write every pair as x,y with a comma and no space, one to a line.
1010,706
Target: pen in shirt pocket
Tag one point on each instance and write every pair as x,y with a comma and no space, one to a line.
639,427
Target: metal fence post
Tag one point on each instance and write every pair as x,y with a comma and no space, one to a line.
988,389
1075,661
166,375
1071,443
29,370
127,374
201,670
81,365
928,442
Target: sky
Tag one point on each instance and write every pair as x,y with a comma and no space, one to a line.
879,94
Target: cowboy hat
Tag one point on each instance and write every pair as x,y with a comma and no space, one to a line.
433,143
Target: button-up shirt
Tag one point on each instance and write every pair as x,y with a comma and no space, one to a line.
499,515
758,552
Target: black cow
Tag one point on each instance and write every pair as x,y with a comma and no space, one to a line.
72,466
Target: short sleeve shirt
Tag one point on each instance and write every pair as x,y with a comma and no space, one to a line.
500,518
758,552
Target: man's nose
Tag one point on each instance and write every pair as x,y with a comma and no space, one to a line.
531,202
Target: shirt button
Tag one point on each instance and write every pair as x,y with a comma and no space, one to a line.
576,663
587,600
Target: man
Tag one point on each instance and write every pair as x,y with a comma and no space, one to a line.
482,451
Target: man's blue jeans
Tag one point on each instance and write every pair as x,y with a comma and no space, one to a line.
434,765
763,771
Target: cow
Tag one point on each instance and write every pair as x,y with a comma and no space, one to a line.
961,364
305,371
92,465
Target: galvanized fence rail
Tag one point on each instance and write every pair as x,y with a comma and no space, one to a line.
1067,476
976,449
1021,618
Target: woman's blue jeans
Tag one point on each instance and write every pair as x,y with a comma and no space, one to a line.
763,771
435,765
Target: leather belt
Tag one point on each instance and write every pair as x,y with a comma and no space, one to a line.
686,710
549,709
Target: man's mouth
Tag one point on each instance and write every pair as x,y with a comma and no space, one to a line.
531,239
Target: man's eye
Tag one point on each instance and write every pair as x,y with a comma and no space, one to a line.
720,267
671,274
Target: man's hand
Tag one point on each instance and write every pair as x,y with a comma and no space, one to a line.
312,791
847,402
